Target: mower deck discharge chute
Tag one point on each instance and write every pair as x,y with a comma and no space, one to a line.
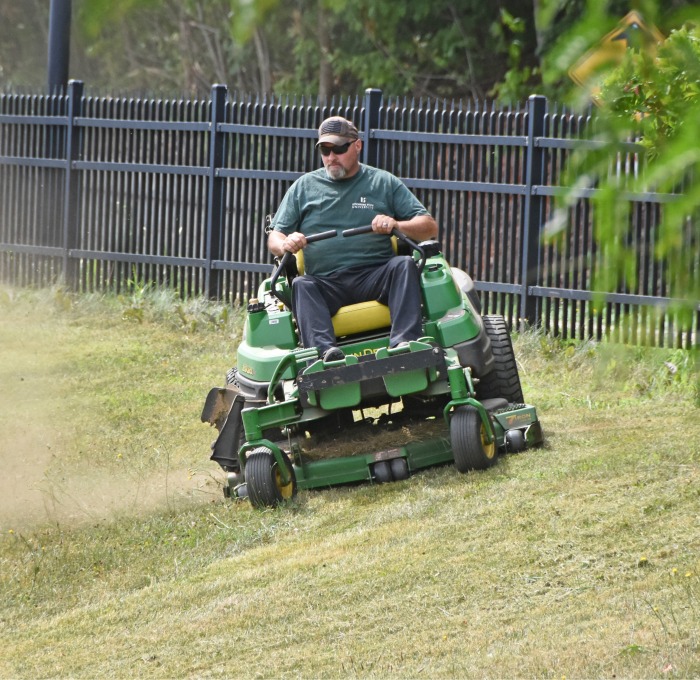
460,380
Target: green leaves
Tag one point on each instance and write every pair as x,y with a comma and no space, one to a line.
247,15
653,100
657,94
100,15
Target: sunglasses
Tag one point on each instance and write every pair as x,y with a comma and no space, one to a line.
337,150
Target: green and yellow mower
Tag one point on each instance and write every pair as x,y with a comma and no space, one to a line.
282,406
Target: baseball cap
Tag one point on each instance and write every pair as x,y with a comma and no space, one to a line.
337,130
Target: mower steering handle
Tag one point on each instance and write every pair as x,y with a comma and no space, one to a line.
288,255
399,235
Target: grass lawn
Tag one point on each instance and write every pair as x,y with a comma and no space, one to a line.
120,558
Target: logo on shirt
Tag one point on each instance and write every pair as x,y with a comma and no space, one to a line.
363,205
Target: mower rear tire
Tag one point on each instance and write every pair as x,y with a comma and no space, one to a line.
503,380
470,447
264,480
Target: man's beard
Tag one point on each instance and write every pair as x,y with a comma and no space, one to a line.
336,171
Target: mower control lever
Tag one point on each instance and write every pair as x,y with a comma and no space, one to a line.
399,235
285,259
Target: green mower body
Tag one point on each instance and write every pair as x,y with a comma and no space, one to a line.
460,378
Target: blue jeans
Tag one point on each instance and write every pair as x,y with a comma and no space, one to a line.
396,284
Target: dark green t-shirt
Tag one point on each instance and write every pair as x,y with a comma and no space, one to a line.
316,203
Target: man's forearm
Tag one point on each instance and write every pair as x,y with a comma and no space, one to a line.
278,243
419,228
274,243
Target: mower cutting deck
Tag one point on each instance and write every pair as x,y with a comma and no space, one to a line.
461,373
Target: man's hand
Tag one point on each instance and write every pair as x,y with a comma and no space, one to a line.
294,242
279,244
383,224
417,228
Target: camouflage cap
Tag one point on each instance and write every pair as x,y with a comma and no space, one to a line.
337,130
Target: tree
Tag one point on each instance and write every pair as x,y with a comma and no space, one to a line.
566,29
652,99
23,42
422,48
445,48
162,45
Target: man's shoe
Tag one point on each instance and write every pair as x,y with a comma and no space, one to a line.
333,354
401,345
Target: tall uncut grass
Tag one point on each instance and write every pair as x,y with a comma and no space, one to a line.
120,558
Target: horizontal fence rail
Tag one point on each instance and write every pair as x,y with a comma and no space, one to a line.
105,193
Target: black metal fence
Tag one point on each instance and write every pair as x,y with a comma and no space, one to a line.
103,193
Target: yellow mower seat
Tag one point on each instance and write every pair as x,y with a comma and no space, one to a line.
358,318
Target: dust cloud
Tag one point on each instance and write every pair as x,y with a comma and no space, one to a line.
37,488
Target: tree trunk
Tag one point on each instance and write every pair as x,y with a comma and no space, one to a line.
539,38
263,54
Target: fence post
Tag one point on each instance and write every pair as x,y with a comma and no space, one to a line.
533,211
59,44
373,102
213,278
71,184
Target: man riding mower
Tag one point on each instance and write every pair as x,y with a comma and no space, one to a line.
460,375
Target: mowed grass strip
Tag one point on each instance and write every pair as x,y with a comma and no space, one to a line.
579,559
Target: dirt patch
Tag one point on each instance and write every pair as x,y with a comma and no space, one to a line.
36,488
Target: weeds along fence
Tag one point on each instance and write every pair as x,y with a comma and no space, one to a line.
104,193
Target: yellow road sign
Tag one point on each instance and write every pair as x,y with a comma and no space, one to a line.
631,33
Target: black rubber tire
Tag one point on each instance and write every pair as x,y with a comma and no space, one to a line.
515,441
503,381
264,481
467,434
399,468
382,472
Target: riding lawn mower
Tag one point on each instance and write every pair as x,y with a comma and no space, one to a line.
461,377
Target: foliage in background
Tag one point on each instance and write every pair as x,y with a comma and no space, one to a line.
444,48
422,48
506,34
651,100
427,47
654,95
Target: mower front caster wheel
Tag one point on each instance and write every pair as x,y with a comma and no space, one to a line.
515,441
470,445
264,483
